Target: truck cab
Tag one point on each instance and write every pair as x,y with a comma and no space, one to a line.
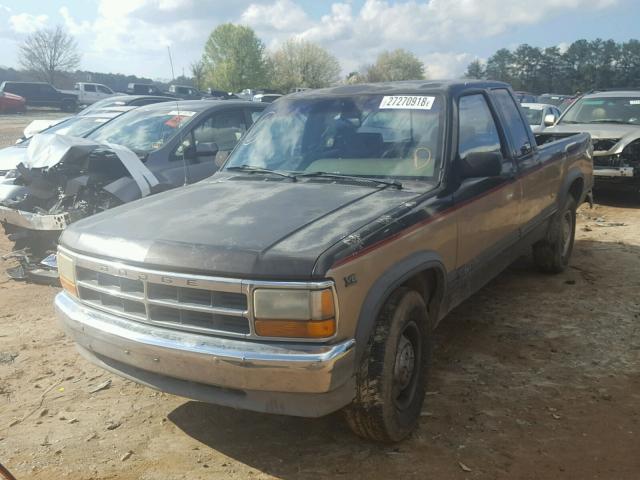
89,93
308,274
185,92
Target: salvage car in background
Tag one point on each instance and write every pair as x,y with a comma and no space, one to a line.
106,104
148,150
525,97
41,94
11,157
540,115
308,274
11,103
185,92
613,120
558,100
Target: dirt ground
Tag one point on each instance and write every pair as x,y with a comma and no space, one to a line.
535,377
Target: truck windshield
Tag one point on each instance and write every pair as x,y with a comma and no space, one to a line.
369,136
625,110
143,130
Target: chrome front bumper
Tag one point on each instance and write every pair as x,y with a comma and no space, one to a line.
295,379
33,221
613,172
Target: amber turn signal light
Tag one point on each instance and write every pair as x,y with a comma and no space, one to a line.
296,328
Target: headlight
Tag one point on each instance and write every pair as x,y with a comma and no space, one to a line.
294,313
67,273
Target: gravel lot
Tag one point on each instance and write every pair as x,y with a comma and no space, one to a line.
536,377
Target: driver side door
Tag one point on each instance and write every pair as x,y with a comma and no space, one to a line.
490,206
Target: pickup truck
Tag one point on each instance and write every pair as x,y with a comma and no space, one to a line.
185,92
308,274
612,118
146,89
89,93
40,94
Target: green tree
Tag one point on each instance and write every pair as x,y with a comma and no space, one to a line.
585,65
525,66
234,58
499,66
475,70
395,65
629,64
552,71
299,63
197,72
48,52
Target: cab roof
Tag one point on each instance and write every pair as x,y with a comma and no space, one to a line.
399,88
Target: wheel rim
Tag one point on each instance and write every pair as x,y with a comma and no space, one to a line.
567,229
406,368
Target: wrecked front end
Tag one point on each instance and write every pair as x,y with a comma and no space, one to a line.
617,161
62,180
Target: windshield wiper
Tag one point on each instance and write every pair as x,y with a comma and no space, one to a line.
611,120
389,183
252,169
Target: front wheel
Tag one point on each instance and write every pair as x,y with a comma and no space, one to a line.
551,255
392,377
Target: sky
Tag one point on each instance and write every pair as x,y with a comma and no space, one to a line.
132,36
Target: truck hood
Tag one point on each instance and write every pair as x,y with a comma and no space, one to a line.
234,226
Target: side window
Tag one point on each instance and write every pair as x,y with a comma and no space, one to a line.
223,129
102,89
477,129
90,88
255,115
516,127
46,89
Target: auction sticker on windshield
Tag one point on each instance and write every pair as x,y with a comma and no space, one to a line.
409,102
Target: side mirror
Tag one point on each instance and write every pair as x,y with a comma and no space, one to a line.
206,149
481,164
549,120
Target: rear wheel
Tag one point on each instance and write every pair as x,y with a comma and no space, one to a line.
392,377
551,255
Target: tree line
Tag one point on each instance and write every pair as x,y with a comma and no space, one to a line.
583,66
234,58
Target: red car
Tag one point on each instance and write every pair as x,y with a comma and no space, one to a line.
12,103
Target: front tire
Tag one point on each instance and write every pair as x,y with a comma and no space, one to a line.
392,378
552,254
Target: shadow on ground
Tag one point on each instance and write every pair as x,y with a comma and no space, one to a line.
487,351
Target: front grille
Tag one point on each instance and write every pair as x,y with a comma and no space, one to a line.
604,144
192,303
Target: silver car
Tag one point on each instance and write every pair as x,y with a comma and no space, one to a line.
540,115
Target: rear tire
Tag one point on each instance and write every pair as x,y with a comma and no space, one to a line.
392,378
552,254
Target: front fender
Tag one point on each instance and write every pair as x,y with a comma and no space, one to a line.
391,279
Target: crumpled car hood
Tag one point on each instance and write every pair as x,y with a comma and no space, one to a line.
249,228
